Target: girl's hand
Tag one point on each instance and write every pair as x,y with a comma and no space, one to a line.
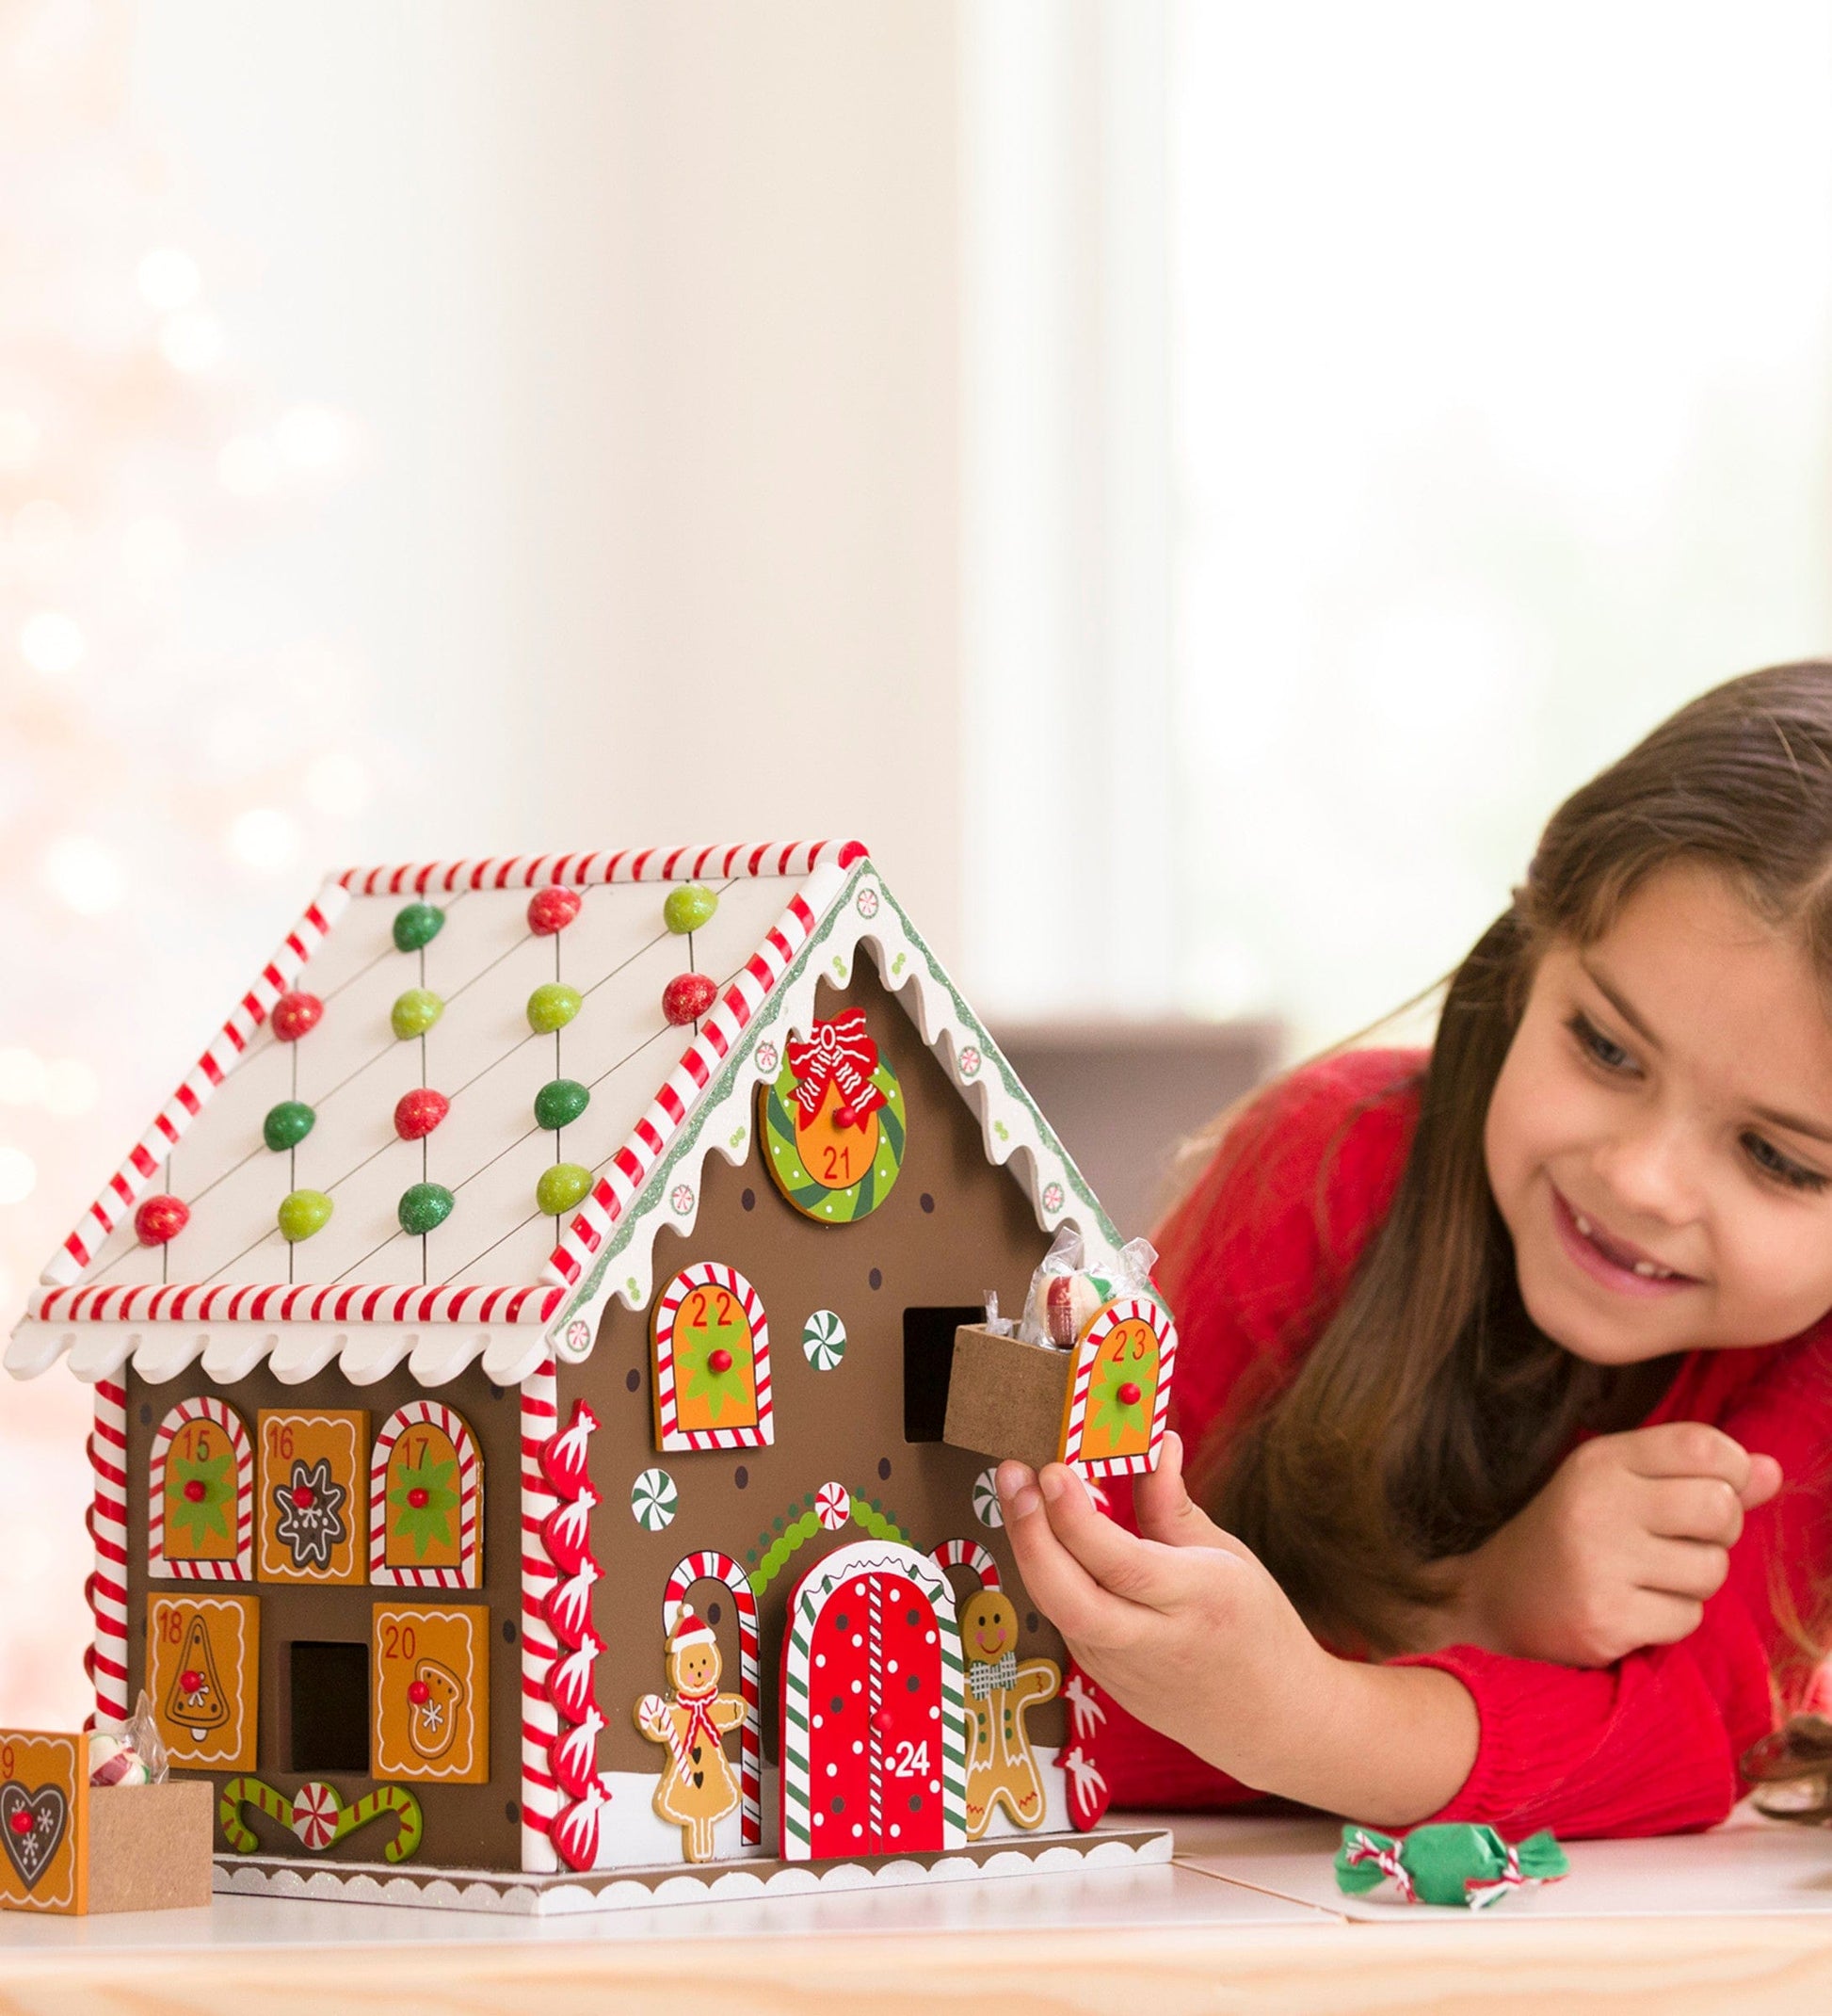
1620,1550
1184,1627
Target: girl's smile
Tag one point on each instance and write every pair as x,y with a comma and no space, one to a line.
1659,1142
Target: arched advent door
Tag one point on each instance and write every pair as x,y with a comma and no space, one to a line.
874,1721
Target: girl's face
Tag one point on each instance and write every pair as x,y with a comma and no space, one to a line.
1659,1139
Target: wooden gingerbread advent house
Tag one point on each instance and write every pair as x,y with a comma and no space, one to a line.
521,1351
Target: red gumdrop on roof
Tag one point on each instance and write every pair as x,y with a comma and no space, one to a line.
686,997
418,1112
552,910
160,1219
296,1015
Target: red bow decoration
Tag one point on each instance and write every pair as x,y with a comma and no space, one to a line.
837,1053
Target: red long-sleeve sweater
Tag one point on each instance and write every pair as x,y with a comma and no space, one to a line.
1255,1261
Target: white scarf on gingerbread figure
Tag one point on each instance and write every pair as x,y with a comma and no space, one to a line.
1003,1689
697,1787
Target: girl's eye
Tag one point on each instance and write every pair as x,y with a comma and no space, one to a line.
1596,1045
1783,1169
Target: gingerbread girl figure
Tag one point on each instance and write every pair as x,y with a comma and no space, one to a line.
1001,1770
697,1786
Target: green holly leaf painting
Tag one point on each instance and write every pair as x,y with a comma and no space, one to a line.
202,1516
728,1387
422,1502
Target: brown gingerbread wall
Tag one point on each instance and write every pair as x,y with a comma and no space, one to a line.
466,1826
953,1227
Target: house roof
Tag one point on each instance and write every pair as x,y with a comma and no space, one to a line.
498,1277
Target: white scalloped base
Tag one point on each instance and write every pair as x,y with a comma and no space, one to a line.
538,1896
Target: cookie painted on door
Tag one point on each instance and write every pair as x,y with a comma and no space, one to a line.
312,1498
44,1821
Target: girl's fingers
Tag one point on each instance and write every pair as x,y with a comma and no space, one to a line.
1139,1571
1658,1619
1687,1449
1061,1588
1764,1482
1166,1511
1689,1568
1693,1508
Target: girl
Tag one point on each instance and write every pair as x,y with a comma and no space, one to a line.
1508,1370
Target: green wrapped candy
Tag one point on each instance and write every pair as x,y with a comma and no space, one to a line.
1456,1864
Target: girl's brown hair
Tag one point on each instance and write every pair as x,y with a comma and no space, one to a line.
1431,1409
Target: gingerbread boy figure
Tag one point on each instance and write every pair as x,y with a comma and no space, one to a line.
1001,1770
697,1786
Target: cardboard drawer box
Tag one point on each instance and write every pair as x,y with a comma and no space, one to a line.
70,1848
1005,1397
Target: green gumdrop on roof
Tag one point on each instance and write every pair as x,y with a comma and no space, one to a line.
560,1102
562,1189
287,1124
425,1208
552,1006
415,1012
688,910
303,1213
418,924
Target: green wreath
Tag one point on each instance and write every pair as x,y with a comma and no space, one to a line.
814,1199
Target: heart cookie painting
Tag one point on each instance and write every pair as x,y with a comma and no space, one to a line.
32,1827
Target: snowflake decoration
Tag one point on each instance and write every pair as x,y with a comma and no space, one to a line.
311,1523
681,1198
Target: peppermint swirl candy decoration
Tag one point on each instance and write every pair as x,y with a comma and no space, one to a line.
652,1500
315,1811
987,1508
824,1340
832,1506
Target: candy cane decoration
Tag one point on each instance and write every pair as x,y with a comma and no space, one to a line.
541,1722
317,1815
721,1568
561,1465
967,1553
105,1661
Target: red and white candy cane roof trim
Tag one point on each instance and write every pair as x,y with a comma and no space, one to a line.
118,1196
630,865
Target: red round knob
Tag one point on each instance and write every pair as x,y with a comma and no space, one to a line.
882,1721
160,1219
552,910
844,1117
687,996
418,1496
721,1360
191,1681
296,1015
20,1822
194,1489
304,1497
419,1693
418,1112
1128,1395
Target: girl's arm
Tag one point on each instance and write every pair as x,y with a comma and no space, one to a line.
1190,1631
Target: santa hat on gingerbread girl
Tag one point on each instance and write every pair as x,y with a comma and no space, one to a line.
690,1630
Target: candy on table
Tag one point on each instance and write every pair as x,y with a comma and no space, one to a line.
562,1189
418,1112
295,1014
687,996
417,925
424,1208
1459,1864
559,1102
552,910
287,1124
552,1006
302,1213
689,908
160,1219
414,1013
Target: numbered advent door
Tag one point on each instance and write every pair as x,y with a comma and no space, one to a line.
874,1734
